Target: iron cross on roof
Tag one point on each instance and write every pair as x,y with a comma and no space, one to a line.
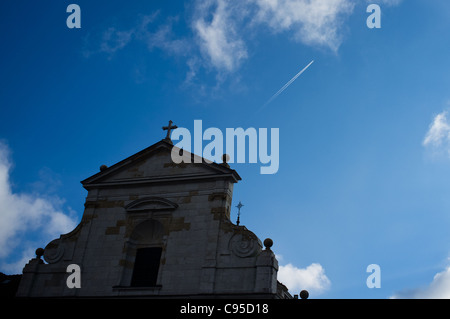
169,128
239,206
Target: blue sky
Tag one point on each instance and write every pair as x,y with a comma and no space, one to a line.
364,131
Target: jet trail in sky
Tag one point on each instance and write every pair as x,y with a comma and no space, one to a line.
286,85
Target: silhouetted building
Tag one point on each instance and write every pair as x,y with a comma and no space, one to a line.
153,228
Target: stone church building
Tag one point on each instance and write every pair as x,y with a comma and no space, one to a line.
155,229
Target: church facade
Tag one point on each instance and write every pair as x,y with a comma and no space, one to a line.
155,229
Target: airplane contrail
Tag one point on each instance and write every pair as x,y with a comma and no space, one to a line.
286,85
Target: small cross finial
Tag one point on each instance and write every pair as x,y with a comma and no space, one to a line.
239,206
169,128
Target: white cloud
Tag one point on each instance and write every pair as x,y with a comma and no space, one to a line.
17,265
438,135
311,278
438,289
218,38
23,215
221,25
315,23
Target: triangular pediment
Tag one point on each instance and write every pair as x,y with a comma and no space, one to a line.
154,164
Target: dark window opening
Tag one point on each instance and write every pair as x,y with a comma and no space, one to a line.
146,266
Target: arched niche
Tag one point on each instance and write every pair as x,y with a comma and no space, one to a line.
144,251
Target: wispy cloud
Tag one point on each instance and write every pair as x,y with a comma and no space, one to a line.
439,288
314,23
162,36
27,215
147,31
438,135
219,31
218,37
222,38
107,42
114,40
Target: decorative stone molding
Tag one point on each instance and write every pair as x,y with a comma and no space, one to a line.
150,204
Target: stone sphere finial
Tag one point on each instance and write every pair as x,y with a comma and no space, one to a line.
304,294
39,252
103,167
225,158
268,243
